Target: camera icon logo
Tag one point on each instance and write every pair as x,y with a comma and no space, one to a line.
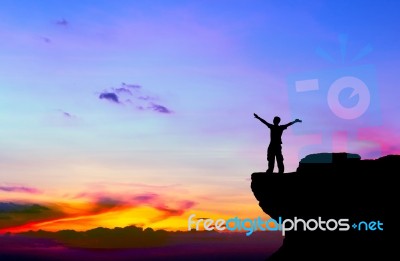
340,100
359,88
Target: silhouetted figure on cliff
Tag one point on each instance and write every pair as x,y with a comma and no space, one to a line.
275,145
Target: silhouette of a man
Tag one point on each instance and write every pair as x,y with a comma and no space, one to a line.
275,145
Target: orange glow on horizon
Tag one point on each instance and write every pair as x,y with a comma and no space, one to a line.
142,216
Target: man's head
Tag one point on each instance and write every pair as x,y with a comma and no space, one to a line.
277,120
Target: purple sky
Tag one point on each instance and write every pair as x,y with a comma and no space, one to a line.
162,92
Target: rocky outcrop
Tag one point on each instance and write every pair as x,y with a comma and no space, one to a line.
332,186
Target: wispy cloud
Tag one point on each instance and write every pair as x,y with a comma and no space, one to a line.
135,96
146,98
177,210
145,198
46,39
62,22
163,203
135,186
61,118
160,108
123,90
132,86
20,189
66,114
168,207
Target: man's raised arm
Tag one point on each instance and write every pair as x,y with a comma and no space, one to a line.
262,120
291,123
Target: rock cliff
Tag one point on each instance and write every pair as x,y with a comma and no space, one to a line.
332,186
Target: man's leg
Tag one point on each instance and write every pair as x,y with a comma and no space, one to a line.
279,160
271,159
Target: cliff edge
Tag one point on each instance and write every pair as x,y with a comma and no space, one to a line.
330,186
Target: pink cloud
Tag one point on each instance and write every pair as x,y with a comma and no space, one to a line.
20,189
385,141
171,207
106,201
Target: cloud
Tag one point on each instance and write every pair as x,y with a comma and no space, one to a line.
90,207
105,238
20,189
18,214
146,98
135,97
145,198
60,118
132,86
169,207
9,207
23,215
89,212
46,39
160,108
123,90
178,209
62,22
107,203
110,96
66,114
103,202
378,142
136,186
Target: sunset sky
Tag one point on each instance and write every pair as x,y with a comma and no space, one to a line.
117,113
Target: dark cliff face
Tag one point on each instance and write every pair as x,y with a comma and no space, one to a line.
332,186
